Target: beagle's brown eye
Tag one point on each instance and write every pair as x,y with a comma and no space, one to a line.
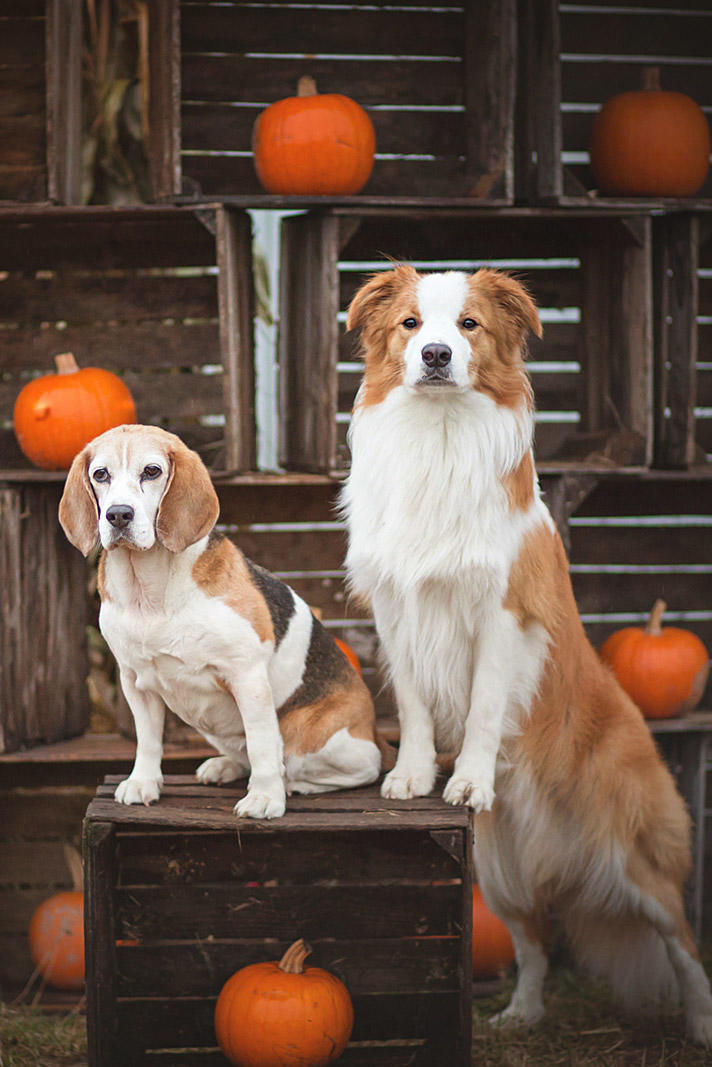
469,324
101,474
410,323
151,471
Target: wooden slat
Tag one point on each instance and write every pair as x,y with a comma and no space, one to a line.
595,80
120,347
100,932
406,856
21,41
64,101
232,911
163,148
600,593
279,550
649,544
88,298
44,812
34,863
401,965
387,82
350,31
637,34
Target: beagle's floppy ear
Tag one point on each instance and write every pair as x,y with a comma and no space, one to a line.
78,512
189,507
377,293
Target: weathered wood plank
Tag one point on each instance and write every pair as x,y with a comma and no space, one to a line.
100,932
64,100
489,83
163,147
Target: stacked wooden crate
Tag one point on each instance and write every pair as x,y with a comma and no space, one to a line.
482,113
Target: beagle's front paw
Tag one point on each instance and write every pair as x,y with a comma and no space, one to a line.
405,783
138,790
219,769
261,804
463,790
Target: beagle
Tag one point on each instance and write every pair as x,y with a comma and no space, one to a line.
197,627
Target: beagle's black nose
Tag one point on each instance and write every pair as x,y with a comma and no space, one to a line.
436,355
119,515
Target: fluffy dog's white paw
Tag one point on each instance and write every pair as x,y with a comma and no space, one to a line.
138,790
259,805
219,769
513,1017
402,785
699,1029
462,790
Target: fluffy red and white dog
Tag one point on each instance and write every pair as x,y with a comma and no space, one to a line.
450,541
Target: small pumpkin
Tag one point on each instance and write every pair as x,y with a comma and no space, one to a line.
349,653
649,142
664,670
56,415
283,1014
492,948
313,144
56,932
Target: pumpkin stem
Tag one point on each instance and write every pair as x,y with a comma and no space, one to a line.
651,79
66,363
292,962
306,86
76,868
654,623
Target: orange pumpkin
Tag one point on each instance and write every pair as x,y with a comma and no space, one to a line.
57,414
650,143
663,670
492,948
56,935
283,1014
313,144
349,653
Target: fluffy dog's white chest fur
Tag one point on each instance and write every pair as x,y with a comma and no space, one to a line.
433,539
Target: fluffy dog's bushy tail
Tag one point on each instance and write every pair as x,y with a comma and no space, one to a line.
630,955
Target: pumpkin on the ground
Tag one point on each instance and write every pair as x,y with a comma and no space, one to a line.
313,144
663,669
283,1014
492,948
56,932
56,415
649,142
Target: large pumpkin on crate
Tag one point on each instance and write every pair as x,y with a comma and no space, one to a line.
492,948
283,1014
649,142
663,669
56,415
313,144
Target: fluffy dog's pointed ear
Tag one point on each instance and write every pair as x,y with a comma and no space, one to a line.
78,512
377,292
514,299
189,507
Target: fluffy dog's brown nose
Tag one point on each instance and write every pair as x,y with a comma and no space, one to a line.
119,515
436,355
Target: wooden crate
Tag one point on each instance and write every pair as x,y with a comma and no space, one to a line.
160,295
180,895
40,89
591,277
682,286
438,83
574,57
44,609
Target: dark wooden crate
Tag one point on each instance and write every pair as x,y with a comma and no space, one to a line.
438,83
682,279
181,894
160,295
40,87
574,57
44,611
592,373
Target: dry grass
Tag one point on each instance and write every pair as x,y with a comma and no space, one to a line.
30,1038
582,1029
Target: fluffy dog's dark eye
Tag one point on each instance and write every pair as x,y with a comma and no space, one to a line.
151,471
469,324
101,474
410,323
